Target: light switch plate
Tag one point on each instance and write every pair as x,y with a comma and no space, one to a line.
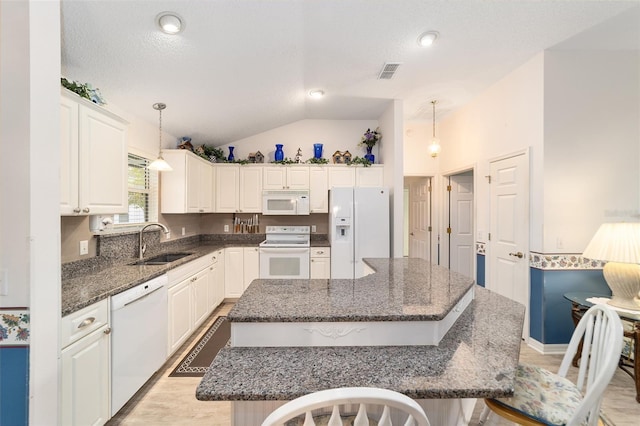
84,247
226,228
313,228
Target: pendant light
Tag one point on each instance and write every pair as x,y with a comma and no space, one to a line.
434,148
160,164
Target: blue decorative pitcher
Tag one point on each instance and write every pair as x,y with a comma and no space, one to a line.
317,150
279,156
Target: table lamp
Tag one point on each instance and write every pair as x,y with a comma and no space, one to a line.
619,245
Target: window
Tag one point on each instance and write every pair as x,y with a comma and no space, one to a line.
143,193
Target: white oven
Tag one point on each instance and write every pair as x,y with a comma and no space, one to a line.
285,253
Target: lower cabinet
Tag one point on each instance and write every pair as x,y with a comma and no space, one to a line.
320,263
85,366
194,292
241,266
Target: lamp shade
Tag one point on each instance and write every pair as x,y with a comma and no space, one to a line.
615,242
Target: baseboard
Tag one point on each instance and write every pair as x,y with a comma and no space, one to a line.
555,349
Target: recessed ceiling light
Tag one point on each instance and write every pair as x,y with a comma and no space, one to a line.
170,22
316,93
427,39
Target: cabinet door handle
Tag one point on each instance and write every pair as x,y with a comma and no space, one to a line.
85,210
76,210
107,331
86,322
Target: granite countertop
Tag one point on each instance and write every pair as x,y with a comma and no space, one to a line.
399,290
477,358
89,285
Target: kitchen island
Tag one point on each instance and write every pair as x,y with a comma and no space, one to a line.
476,358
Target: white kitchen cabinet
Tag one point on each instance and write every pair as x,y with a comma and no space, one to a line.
227,188
189,302
250,191
251,267
200,297
179,319
215,279
372,176
318,189
341,176
320,263
188,188
85,366
241,266
93,153
238,188
233,272
286,177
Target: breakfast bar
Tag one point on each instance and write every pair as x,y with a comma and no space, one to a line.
475,357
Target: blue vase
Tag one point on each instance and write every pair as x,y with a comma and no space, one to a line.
369,156
317,150
231,157
279,156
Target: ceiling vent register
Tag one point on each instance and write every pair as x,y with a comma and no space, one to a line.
388,70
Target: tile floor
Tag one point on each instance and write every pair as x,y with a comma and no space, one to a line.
167,400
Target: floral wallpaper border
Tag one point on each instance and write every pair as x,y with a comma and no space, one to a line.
14,327
558,262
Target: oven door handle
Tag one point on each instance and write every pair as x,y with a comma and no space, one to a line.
284,250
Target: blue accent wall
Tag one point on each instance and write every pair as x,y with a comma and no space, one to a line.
14,391
550,316
480,269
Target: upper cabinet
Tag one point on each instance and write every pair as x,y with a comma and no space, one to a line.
318,190
286,177
189,187
238,188
372,176
93,169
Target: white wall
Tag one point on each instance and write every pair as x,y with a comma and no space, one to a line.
506,118
592,144
417,138
335,135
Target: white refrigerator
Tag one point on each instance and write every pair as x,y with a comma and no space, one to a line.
358,228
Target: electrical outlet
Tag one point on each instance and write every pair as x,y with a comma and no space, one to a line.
84,247
226,228
313,228
183,231
168,235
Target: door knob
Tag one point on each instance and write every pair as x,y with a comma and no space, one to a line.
519,255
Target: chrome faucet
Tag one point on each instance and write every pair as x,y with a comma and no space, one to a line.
143,247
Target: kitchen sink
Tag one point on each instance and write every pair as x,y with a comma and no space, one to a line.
162,259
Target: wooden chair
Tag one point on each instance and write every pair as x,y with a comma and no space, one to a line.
357,395
544,398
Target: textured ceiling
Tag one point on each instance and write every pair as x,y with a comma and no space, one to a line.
244,67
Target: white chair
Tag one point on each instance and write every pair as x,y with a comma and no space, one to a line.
544,398
357,395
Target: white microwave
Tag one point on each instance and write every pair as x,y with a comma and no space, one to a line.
285,202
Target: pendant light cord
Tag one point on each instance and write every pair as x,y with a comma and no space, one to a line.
434,117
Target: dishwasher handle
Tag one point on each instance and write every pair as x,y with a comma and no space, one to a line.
141,297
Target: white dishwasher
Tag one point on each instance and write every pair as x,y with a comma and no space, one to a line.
138,338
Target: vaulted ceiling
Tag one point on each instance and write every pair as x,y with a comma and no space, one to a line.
243,67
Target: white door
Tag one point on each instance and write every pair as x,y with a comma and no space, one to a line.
461,249
508,255
420,218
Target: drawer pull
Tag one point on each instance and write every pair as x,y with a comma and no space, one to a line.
86,322
320,252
